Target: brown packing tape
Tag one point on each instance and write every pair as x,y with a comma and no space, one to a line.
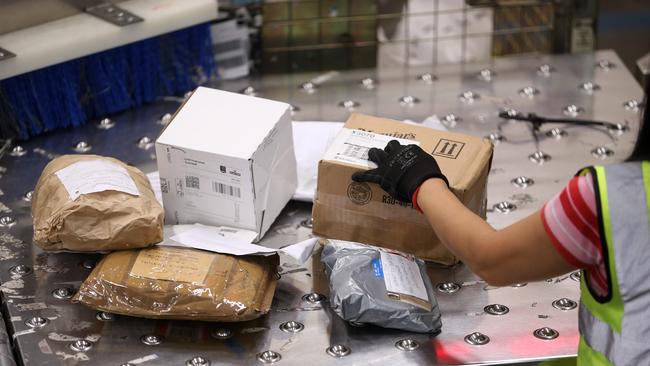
235,288
100,221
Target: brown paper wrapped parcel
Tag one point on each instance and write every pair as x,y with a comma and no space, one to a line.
94,203
181,283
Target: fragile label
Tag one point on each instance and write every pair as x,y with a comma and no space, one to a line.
96,176
402,275
352,146
172,264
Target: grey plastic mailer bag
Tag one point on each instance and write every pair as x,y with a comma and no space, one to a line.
378,286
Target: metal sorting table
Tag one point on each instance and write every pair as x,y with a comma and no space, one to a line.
47,329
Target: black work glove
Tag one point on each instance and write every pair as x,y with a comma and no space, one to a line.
401,169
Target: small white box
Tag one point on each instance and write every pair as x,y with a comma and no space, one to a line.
227,159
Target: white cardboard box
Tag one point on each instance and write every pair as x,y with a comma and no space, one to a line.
227,159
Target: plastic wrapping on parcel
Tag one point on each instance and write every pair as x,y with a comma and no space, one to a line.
380,286
94,203
181,283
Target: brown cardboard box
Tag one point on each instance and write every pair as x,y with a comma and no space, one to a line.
364,213
181,283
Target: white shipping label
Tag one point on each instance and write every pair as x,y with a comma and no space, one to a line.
352,146
402,275
96,176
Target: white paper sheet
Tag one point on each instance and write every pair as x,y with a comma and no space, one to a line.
92,176
310,141
232,241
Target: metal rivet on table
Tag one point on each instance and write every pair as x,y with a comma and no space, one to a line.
222,333
477,339
368,83
314,298
357,324
82,147
605,65
249,90
602,152
81,345
495,138
510,112
103,316
165,119
522,182
338,350
539,157
448,287
18,151
450,120
105,124
427,78
522,284
36,322
496,309
292,327
565,304
504,207
88,264
546,333
589,87
349,104
408,100
556,133
294,109
63,293
145,142
269,357
572,110
468,97
309,87
127,364
486,75
632,105
20,270
576,276
151,339
27,197
7,221
528,92
617,129
407,344
197,361
545,70
308,223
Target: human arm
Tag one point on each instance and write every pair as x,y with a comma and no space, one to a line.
521,252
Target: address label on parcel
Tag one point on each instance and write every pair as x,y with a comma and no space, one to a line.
352,146
172,264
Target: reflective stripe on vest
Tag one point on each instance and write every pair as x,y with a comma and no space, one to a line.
616,327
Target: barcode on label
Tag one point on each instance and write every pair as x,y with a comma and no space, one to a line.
356,151
164,185
226,189
192,182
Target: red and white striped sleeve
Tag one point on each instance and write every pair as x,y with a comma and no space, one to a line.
571,221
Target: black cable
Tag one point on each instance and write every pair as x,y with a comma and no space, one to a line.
537,120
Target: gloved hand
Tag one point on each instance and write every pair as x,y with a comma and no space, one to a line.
401,170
